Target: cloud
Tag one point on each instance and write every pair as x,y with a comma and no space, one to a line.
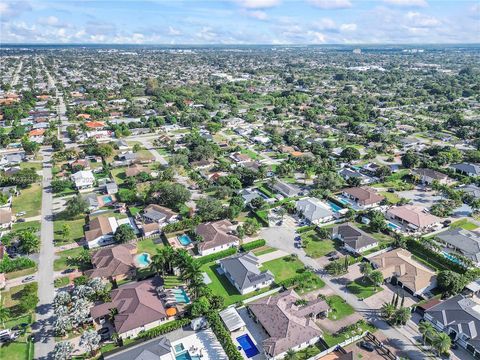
258,4
331,4
348,27
407,3
422,21
10,9
50,21
173,32
257,14
330,26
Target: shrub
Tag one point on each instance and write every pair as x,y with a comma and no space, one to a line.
182,224
217,256
253,245
223,336
8,265
163,329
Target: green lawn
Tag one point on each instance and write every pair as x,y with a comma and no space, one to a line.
464,224
29,165
310,351
263,250
118,175
391,197
284,268
252,154
221,286
339,308
148,246
76,231
29,200
171,281
61,281
16,350
31,225
335,339
317,247
66,259
363,289
9,297
23,272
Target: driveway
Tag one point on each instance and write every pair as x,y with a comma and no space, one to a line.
272,256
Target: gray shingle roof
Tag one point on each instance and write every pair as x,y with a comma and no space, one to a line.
353,236
468,168
243,269
313,209
468,242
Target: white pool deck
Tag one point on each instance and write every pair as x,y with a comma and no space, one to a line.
202,343
254,330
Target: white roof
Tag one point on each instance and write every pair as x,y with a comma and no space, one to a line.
232,319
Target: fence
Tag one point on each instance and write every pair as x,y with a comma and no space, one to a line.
336,347
266,293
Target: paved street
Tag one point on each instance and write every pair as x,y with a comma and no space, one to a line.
43,332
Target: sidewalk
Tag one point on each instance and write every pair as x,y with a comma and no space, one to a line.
272,256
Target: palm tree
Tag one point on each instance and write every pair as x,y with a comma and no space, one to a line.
442,343
427,330
191,272
169,254
290,355
366,270
158,262
4,314
388,309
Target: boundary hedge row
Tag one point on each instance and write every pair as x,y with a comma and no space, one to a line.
223,336
216,256
253,245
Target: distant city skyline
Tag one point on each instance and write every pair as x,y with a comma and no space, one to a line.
226,22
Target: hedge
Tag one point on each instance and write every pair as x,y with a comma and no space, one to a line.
223,336
306,228
298,279
182,224
253,245
164,328
429,255
8,265
262,216
216,256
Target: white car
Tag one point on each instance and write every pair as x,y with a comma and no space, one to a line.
21,213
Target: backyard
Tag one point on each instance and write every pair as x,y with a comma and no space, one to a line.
29,201
149,245
464,224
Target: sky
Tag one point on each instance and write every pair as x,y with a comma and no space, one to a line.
240,21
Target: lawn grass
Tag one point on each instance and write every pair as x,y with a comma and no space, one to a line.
335,339
317,247
221,286
391,197
66,259
252,154
76,231
284,268
29,200
171,281
30,225
363,288
464,224
16,350
339,308
149,246
61,281
31,165
118,175
310,351
19,273
144,155
263,250
134,210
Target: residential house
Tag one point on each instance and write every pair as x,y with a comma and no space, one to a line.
111,188
347,173
314,210
100,231
466,242
6,218
364,197
136,169
158,215
216,236
459,317
114,263
83,179
354,240
248,195
9,192
413,217
80,164
286,189
92,201
471,189
137,305
239,157
399,267
428,176
288,322
468,169
242,270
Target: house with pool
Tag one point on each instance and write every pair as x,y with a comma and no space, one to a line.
155,217
137,307
411,218
289,322
242,270
314,211
361,198
216,236
114,263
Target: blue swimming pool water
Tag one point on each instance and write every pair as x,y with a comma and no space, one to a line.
107,199
451,258
186,356
393,226
334,206
247,345
344,201
143,259
184,239
181,296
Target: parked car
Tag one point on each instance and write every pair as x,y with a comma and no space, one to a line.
367,346
21,220
298,238
21,213
104,333
28,279
334,257
68,271
332,253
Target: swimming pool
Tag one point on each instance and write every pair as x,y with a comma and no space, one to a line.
451,258
334,207
143,259
247,345
186,356
184,239
344,201
107,199
181,296
393,226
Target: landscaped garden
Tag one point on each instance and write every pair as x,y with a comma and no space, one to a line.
347,332
363,288
284,268
464,224
339,308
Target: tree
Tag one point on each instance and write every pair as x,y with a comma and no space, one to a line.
171,195
210,209
76,206
65,231
200,307
427,330
63,351
124,234
451,283
410,159
377,221
376,277
401,316
29,242
350,153
251,226
62,324
335,268
290,355
60,185
366,270
442,343
30,147
388,309
90,339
